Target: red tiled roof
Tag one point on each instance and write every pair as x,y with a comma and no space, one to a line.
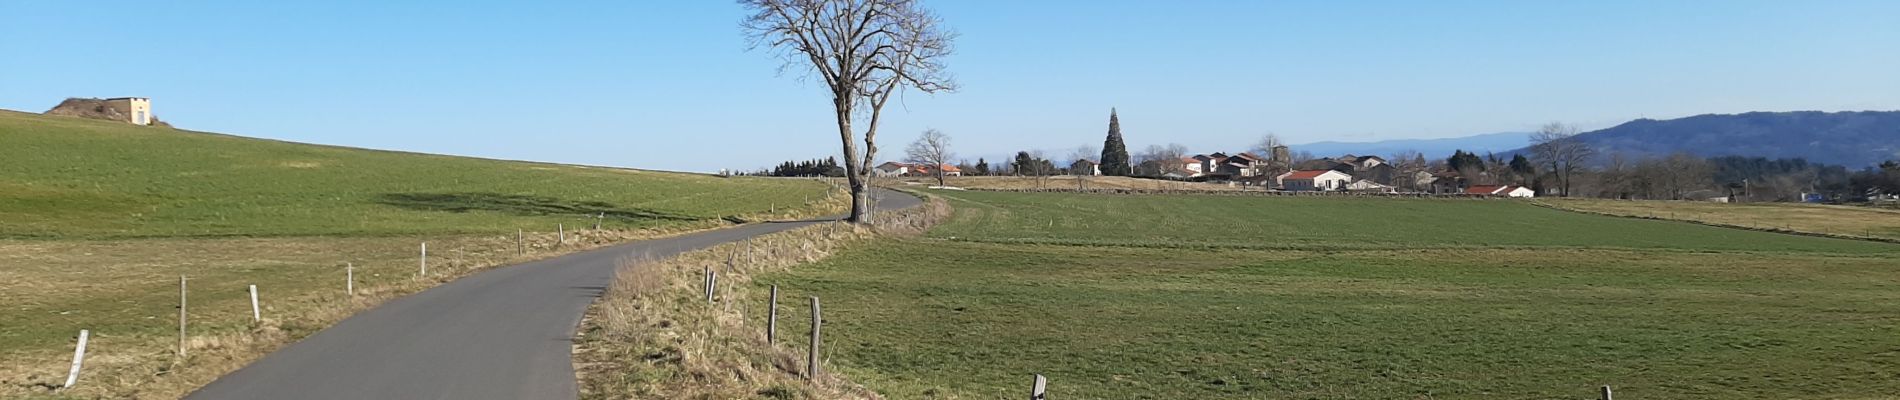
1308,174
951,168
1489,189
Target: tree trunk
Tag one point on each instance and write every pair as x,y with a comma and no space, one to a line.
854,170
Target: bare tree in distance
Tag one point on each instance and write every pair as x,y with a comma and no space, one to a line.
931,148
1301,157
1041,166
1076,167
1159,158
1408,163
1264,147
1555,145
1083,152
866,50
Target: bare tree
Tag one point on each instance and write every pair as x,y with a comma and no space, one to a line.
1158,159
1618,178
1682,173
1082,170
1301,157
1083,152
866,50
1264,148
1407,163
933,149
1041,167
1556,146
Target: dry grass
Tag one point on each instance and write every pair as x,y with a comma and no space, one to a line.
654,335
1831,220
1067,182
125,291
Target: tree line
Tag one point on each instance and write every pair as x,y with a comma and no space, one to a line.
1561,164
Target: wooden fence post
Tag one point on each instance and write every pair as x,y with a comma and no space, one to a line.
181,316
79,356
771,319
521,244
1039,388
811,363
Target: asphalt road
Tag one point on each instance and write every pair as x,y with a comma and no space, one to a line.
500,334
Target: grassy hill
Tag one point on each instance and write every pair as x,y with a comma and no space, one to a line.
1166,297
70,178
98,221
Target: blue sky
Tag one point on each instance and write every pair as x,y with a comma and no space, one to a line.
671,85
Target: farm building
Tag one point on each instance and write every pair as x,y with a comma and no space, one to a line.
890,169
1367,185
1312,180
1501,190
893,168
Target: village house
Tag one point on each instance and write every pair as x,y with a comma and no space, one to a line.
1501,190
891,169
1447,183
1313,180
1368,186
925,170
1373,168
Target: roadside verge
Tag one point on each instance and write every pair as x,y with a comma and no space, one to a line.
656,334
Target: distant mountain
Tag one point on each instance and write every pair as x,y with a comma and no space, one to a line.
1854,139
1432,148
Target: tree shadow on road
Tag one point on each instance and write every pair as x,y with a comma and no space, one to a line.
521,205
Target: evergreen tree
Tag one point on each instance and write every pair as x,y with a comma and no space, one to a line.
1025,164
1464,162
982,167
1522,166
1114,152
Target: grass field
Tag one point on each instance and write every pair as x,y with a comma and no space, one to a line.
1814,218
98,220
1165,297
72,178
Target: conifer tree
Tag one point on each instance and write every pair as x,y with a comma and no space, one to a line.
1114,151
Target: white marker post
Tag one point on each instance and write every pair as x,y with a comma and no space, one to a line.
1039,389
425,260
256,314
1606,392
79,356
349,278
712,284
561,230
181,316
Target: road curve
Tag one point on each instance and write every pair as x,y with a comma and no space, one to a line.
500,334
